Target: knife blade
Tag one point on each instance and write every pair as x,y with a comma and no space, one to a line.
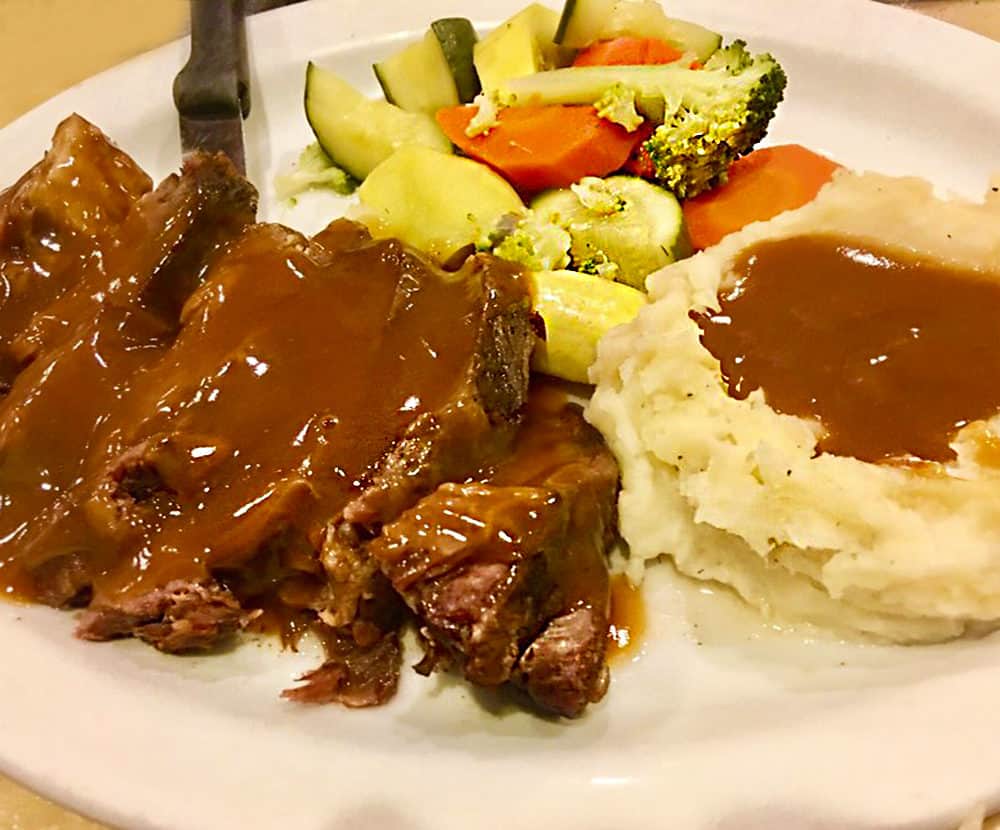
212,91
212,135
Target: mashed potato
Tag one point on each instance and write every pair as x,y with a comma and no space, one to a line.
733,491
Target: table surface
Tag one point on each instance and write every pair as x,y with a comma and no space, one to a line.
49,45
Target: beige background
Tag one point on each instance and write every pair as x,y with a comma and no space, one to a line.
48,45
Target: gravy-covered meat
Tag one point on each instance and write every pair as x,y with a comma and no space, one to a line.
60,423
57,223
507,573
211,424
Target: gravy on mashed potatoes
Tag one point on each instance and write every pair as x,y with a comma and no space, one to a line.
808,412
892,354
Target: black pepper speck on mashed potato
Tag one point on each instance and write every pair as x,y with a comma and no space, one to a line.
906,550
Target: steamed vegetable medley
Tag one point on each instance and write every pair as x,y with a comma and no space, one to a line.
572,144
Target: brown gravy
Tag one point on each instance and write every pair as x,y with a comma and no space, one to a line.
627,619
519,508
155,459
47,249
550,450
893,354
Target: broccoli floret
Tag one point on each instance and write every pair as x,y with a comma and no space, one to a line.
617,105
598,265
313,169
536,244
713,116
489,104
599,196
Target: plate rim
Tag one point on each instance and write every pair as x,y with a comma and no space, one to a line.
602,803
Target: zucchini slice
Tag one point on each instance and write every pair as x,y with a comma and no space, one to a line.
457,38
586,84
578,310
438,203
520,46
435,72
622,219
584,22
693,39
357,133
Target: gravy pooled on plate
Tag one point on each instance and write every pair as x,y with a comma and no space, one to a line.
892,353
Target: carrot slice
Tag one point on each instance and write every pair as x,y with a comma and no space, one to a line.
627,51
761,185
539,147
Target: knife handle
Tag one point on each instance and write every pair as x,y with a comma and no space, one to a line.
215,81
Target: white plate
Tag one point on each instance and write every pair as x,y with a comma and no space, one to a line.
721,723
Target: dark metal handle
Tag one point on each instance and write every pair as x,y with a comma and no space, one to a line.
216,79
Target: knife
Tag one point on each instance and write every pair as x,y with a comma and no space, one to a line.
212,91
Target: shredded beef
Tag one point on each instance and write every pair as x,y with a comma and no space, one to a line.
177,618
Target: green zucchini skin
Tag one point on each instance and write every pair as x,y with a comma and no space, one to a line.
418,78
457,37
584,22
358,134
564,20
434,72
384,83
